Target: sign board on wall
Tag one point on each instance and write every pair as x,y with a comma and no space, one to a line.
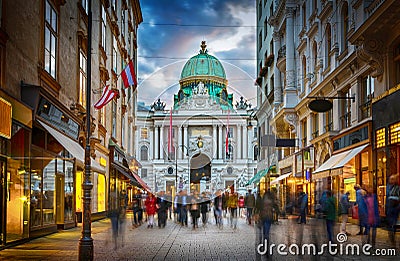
5,118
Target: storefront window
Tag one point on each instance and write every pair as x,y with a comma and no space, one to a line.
101,193
348,179
17,177
48,192
366,177
381,178
69,190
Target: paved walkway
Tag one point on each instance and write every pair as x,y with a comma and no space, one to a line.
175,242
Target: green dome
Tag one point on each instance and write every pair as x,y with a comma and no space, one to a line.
203,64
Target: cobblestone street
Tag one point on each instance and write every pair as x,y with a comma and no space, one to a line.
175,242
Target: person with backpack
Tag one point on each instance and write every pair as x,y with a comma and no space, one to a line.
330,214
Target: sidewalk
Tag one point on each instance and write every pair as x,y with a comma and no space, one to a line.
175,242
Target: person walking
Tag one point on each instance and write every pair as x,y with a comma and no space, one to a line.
233,202
204,206
392,206
303,203
137,210
330,212
371,201
344,211
162,209
195,209
218,206
362,208
183,208
151,209
249,203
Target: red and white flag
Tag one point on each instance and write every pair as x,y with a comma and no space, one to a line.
227,136
128,75
106,97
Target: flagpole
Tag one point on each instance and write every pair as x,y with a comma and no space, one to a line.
86,241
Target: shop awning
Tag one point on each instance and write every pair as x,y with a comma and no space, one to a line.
256,179
281,177
338,169
123,170
73,147
141,182
336,162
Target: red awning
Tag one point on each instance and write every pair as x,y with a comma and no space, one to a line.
141,182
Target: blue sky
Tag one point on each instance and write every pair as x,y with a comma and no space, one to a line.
172,32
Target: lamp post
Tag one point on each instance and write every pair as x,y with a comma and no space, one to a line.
86,241
176,163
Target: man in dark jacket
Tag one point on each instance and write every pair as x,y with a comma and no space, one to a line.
330,212
162,208
249,202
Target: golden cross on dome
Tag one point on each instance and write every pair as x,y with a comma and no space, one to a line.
203,47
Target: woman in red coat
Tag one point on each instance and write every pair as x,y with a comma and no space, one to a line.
151,209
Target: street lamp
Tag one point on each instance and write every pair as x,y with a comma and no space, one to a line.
86,241
176,163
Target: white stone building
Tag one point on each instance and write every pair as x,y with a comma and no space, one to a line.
200,155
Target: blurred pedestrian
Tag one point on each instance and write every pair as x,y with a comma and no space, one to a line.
177,206
184,201
249,203
162,209
330,214
392,206
114,217
204,208
151,209
137,210
362,208
218,208
344,211
233,202
371,201
195,209
303,204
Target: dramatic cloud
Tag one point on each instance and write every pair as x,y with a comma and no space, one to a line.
172,31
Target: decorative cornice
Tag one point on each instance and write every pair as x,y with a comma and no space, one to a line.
369,51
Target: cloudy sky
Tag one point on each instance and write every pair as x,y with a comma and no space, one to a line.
172,32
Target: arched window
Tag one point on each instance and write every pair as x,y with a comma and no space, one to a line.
144,153
345,25
328,44
304,68
255,152
315,56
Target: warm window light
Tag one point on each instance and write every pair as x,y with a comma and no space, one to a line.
384,159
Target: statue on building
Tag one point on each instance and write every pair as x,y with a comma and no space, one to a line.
158,105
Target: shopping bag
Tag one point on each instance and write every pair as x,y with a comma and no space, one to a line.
354,212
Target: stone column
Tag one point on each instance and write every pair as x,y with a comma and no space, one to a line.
162,142
290,94
239,141
156,142
185,138
245,143
277,73
220,149
214,142
179,145
151,149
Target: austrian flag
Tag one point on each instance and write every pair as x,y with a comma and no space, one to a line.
106,97
128,75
